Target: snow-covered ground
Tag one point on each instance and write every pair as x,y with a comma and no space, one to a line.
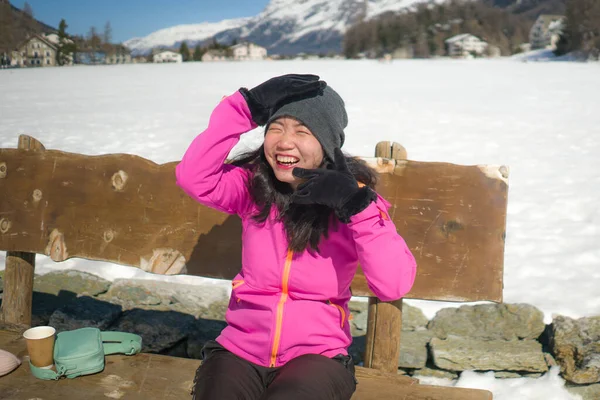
540,119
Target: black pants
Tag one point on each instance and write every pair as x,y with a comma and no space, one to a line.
225,376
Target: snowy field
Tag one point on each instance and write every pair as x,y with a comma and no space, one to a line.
542,119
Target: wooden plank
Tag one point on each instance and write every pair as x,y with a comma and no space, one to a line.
383,149
125,209
384,324
384,329
18,288
20,266
453,218
399,152
151,376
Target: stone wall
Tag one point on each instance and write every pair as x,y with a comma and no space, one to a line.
509,339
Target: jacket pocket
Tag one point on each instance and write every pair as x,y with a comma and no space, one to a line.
341,311
236,283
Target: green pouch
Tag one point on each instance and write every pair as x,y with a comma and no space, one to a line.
81,352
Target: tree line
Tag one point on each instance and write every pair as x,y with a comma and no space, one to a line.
425,29
582,29
17,25
502,23
199,50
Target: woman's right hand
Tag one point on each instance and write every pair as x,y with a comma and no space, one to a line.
266,98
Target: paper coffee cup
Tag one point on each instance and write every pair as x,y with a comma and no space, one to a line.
40,345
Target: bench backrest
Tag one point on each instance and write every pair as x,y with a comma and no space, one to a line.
128,210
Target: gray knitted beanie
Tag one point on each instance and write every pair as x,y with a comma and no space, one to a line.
325,116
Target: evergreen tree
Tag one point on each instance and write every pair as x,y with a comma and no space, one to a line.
61,54
184,51
582,30
198,53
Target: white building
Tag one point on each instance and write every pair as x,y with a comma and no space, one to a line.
465,45
167,56
35,51
248,51
545,32
118,54
214,55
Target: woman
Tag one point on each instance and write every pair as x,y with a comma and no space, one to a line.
309,216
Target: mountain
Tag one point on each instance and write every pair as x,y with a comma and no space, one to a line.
171,37
283,27
16,25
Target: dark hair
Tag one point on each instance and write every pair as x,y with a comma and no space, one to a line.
304,225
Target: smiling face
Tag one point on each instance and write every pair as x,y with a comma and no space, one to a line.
289,144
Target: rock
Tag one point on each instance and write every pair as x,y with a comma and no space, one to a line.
160,330
83,312
359,312
435,373
55,289
147,294
576,347
357,349
413,348
214,311
532,374
550,361
202,331
506,375
72,281
459,354
132,296
44,304
587,392
178,350
489,322
413,318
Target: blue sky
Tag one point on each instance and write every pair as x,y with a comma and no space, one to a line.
131,18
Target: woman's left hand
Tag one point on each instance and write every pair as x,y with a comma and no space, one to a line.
335,188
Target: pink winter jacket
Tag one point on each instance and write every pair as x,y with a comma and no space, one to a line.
284,305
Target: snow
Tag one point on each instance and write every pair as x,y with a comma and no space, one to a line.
546,55
377,7
540,119
306,16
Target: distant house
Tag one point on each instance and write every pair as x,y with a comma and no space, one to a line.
465,45
545,32
139,59
248,51
35,51
119,54
167,56
90,57
214,55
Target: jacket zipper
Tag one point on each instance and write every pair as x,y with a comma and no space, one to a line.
282,300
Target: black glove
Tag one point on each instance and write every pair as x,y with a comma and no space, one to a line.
266,98
335,188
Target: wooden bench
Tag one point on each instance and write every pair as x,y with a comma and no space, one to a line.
128,210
